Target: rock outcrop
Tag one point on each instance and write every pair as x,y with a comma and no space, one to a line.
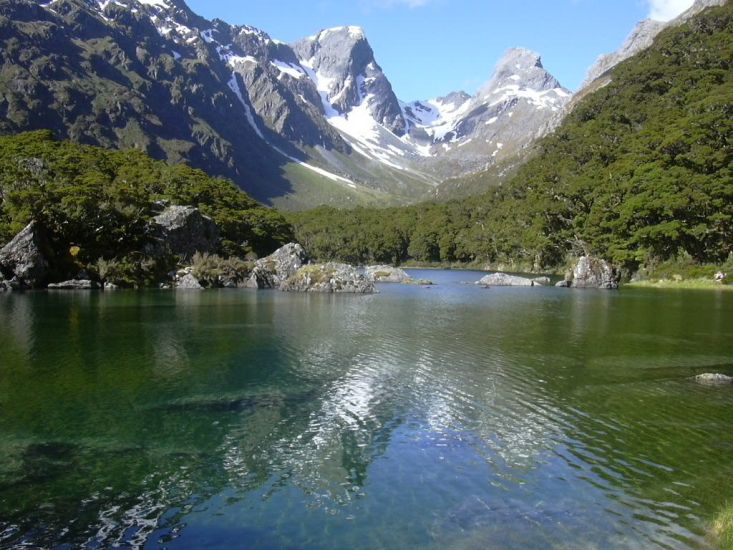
330,277
75,284
502,279
386,274
271,271
591,272
183,231
23,260
188,282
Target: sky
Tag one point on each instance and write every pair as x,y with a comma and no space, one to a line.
429,48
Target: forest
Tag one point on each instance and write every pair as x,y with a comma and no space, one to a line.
640,172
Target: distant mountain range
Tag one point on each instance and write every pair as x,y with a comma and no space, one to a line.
315,122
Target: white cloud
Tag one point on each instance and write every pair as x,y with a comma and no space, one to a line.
664,10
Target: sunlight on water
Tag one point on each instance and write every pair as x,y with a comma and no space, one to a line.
445,416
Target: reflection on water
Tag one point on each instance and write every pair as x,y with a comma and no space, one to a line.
452,416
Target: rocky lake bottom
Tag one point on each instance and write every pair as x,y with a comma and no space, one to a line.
443,416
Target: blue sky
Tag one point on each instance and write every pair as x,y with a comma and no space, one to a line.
429,48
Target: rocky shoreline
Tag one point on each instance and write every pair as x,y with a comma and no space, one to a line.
184,233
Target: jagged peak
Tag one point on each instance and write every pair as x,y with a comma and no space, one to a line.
352,31
519,59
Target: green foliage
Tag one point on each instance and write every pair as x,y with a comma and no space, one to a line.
212,270
640,172
102,201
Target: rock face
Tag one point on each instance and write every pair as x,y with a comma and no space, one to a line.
345,70
75,284
502,279
713,379
272,270
22,259
183,231
641,38
386,274
330,277
592,272
188,282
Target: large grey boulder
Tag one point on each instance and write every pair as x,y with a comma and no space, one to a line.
591,272
386,274
22,259
188,282
271,271
183,231
330,277
75,284
502,279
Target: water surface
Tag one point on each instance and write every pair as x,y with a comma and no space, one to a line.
445,416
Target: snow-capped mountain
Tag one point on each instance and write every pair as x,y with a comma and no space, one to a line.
462,134
295,125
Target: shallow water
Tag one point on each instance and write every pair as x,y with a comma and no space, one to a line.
447,416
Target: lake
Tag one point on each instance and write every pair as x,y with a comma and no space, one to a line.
433,417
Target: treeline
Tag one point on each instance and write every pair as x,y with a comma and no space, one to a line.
98,203
640,172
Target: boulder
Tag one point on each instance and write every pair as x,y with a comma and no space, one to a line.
502,279
592,272
330,277
385,274
75,284
541,281
564,284
188,282
713,379
183,231
22,258
110,286
271,271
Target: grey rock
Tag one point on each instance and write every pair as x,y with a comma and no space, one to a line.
272,270
22,258
75,284
541,281
183,231
344,57
386,274
110,286
564,284
641,38
713,379
591,272
330,277
188,282
502,279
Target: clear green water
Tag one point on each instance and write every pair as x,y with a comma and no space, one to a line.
453,416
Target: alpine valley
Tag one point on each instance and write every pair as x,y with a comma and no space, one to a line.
299,125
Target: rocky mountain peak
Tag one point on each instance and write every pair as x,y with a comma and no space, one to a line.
522,68
343,67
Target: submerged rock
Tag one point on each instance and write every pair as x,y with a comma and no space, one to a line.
591,272
271,271
330,277
502,279
22,259
75,284
386,274
183,231
713,379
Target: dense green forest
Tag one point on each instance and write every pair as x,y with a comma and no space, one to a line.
640,173
100,202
